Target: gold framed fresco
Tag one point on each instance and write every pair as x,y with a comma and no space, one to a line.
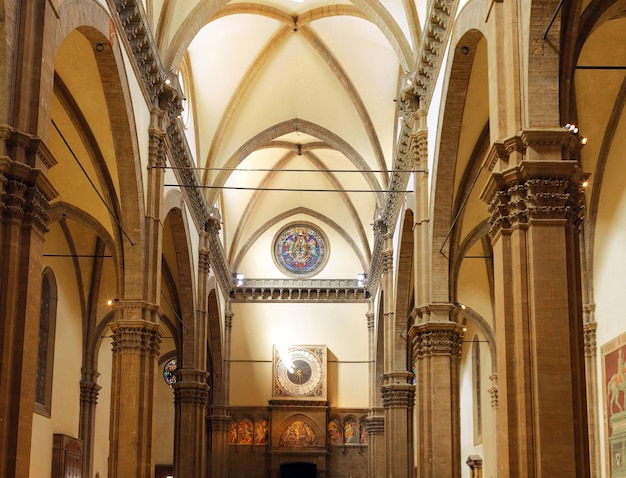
614,381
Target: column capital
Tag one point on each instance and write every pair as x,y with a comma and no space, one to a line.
375,425
135,335
89,392
204,261
191,393
436,338
534,190
219,423
25,194
398,395
589,333
493,391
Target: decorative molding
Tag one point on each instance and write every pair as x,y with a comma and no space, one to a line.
299,290
386,217
434,39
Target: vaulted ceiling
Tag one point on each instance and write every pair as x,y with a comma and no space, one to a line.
291,112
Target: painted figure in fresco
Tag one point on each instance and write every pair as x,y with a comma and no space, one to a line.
245,432
232,433
617,386
351,431
261,432
298,435
334,433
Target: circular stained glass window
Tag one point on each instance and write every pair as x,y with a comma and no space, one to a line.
300,250
169,371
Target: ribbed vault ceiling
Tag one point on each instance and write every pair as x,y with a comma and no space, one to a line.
291,108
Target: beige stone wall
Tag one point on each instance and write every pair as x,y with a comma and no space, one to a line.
341,327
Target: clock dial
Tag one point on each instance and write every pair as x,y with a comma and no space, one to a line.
299,373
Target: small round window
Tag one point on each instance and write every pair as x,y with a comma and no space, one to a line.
300,250
169,371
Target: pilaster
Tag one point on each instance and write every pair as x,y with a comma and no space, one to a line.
136,342
375,428
536,210
437,349
219,424
24,201
191,399
89,392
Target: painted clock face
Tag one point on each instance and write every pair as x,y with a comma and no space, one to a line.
300,373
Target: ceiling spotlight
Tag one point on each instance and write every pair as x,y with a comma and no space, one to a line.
583,140
585,184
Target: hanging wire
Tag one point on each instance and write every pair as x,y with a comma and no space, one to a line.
297,190
91,182
269,170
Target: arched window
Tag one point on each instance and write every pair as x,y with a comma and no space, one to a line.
45,355
476,382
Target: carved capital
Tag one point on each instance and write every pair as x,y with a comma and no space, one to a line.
89,392
436,338
375,425
398,396
157,148
493,391
135,336
23,200
228,318
191,393
204,262
535,190
219,423
589,331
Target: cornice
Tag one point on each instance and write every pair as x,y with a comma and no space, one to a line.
299,290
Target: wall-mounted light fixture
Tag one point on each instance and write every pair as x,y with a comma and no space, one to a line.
361,279
238,278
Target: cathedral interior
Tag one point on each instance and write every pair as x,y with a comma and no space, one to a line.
312,238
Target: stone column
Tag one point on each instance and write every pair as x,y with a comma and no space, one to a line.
89,391
24,198
535,207
136,342
398,390
219,423
437,344
375,428
375,422
593,402
191,399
